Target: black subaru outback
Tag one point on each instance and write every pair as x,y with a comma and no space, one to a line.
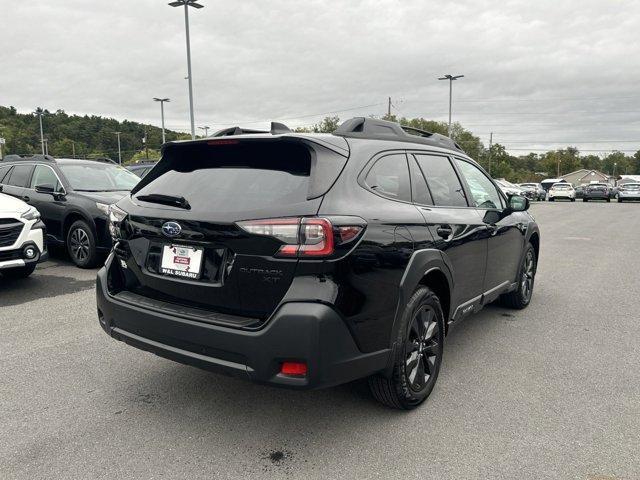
310,260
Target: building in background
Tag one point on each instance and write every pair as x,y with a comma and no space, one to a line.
584,176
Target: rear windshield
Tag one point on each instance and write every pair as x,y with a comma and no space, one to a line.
562,187
237,177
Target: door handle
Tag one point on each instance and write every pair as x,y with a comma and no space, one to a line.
444,231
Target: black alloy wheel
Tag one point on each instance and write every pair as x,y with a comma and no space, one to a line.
521,296
417,355
81,245
423,349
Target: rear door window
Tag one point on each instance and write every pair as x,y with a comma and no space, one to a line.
389,177
20,176
444,184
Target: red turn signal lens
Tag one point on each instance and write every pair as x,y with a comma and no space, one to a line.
297,369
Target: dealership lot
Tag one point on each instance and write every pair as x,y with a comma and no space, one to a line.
548,392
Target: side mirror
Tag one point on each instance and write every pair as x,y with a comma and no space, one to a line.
45,188
518,203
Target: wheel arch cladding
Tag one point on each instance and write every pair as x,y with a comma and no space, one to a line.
535,242
73,217
426,267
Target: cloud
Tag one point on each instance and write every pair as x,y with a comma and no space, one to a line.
535,72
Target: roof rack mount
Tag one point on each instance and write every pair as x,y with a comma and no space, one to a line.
372,128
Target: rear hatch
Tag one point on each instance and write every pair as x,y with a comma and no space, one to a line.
186,212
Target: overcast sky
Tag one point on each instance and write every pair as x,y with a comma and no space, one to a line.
539,74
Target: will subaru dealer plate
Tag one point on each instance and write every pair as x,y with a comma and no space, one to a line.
181,261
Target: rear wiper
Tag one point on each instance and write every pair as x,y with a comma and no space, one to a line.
179,202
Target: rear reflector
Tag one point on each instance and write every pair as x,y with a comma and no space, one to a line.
298,369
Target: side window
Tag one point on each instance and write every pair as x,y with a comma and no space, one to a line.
4,171
443,181
43,175
419,189
483,192
389,177
20,176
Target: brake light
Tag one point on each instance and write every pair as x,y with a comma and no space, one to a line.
310,237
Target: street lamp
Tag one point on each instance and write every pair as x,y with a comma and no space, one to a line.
451,78
162,100
206,130
186,4
119,149
39,112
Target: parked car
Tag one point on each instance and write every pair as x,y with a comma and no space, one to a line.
22,243
73,197
613,191
549,182
141,168
535,189
629,191
579,191
596,191
310,260
562,190
509,188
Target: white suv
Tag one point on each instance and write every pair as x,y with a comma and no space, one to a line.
22,236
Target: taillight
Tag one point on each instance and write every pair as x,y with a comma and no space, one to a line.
309,237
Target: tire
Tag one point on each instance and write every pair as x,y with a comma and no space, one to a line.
619,200
551,199
521,297
19,272
573,199
585,199
608,200
419,347
81,245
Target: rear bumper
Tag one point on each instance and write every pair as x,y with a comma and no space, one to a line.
596,196
299,331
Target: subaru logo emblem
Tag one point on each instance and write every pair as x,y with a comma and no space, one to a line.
171,229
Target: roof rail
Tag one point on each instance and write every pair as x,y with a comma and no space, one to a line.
18,158
361,127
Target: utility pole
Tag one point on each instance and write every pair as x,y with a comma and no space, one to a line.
162,100
46,146
119,150
490,145
146,143
73,148
2,142
451,78
389,108
39,112
559,160
187,4
206,130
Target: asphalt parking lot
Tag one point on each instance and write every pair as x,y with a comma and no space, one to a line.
551,392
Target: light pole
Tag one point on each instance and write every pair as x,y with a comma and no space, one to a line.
451,78
119,150
206,130
186,4
162,100
39,112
